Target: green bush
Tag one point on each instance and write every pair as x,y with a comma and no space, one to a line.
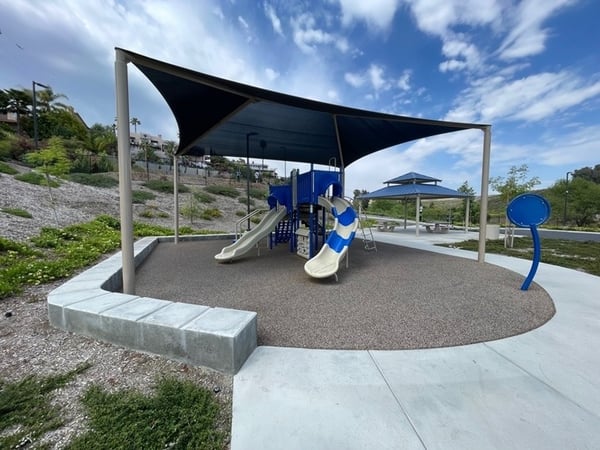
211,213
260,194
141,196
240,213
17,212
5,168
94,179
165,187
204,197
244,200
35,178
227,191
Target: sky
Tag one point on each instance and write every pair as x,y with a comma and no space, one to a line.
529,68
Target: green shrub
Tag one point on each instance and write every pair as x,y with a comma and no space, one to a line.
227,191
211,213
94,179
17,212
204,197
244,200
141,196
35,178
147,214
240,213
5,168
165,187
260,194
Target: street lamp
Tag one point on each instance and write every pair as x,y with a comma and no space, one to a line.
253,133
34,104
566,197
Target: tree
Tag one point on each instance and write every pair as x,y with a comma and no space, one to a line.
16,101
473,206
135,122
516,183
51,161
46,100
587,173
581,197
360,203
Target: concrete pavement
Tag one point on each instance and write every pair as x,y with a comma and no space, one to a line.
538,390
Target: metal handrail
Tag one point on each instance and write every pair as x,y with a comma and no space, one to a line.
247,217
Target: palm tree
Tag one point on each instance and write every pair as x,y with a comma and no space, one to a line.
46,99
135,122
17,101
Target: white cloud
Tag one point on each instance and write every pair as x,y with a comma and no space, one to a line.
461,55
378,14
533,98
404,81
376,77
274,18
271,74
527,37
307,36
354,79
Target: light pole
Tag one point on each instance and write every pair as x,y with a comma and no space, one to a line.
253,133
34,105
284,163
566,197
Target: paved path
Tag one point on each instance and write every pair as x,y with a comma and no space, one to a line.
538,390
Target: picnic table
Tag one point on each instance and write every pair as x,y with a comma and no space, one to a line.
441,227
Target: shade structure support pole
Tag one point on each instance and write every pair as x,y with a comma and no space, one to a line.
124,161
176,199
342,165
485,180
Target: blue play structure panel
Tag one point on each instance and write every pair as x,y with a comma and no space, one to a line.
528,209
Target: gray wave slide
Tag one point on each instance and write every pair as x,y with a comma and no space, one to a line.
249,239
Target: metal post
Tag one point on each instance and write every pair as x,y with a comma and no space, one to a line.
485,180
34,110
125,193
566,197
176,199
248,173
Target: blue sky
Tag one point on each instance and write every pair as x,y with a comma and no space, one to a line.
529,68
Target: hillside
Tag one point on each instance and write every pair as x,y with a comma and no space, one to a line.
77,203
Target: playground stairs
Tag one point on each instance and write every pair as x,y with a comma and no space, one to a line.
367,234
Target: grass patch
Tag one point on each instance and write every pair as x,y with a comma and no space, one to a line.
166,187
26,411
35,178
584,256
179,415
17,212
227,191
58,253
5,168
140,197
94,179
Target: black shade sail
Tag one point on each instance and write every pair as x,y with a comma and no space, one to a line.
215,117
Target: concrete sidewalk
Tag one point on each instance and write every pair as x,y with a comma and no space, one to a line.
538,390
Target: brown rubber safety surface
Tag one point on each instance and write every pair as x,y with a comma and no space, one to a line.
392,299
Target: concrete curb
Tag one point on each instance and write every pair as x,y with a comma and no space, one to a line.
218,338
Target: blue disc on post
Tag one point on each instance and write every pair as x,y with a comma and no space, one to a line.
528,209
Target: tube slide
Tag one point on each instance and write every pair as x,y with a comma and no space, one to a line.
249,239
326,263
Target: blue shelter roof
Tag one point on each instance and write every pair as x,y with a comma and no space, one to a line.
413,185
412,177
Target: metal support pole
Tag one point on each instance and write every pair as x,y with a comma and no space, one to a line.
485,180
34,110
176,199
125,193
248,173
566,197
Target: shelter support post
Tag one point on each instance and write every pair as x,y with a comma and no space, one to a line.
417,216
485,180
124,160
176,198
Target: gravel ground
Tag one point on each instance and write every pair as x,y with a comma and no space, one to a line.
30,346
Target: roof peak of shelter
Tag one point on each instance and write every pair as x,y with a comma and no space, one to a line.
412,178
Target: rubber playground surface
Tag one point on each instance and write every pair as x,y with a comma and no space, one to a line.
395,298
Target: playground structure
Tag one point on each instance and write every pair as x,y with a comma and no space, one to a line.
298,217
